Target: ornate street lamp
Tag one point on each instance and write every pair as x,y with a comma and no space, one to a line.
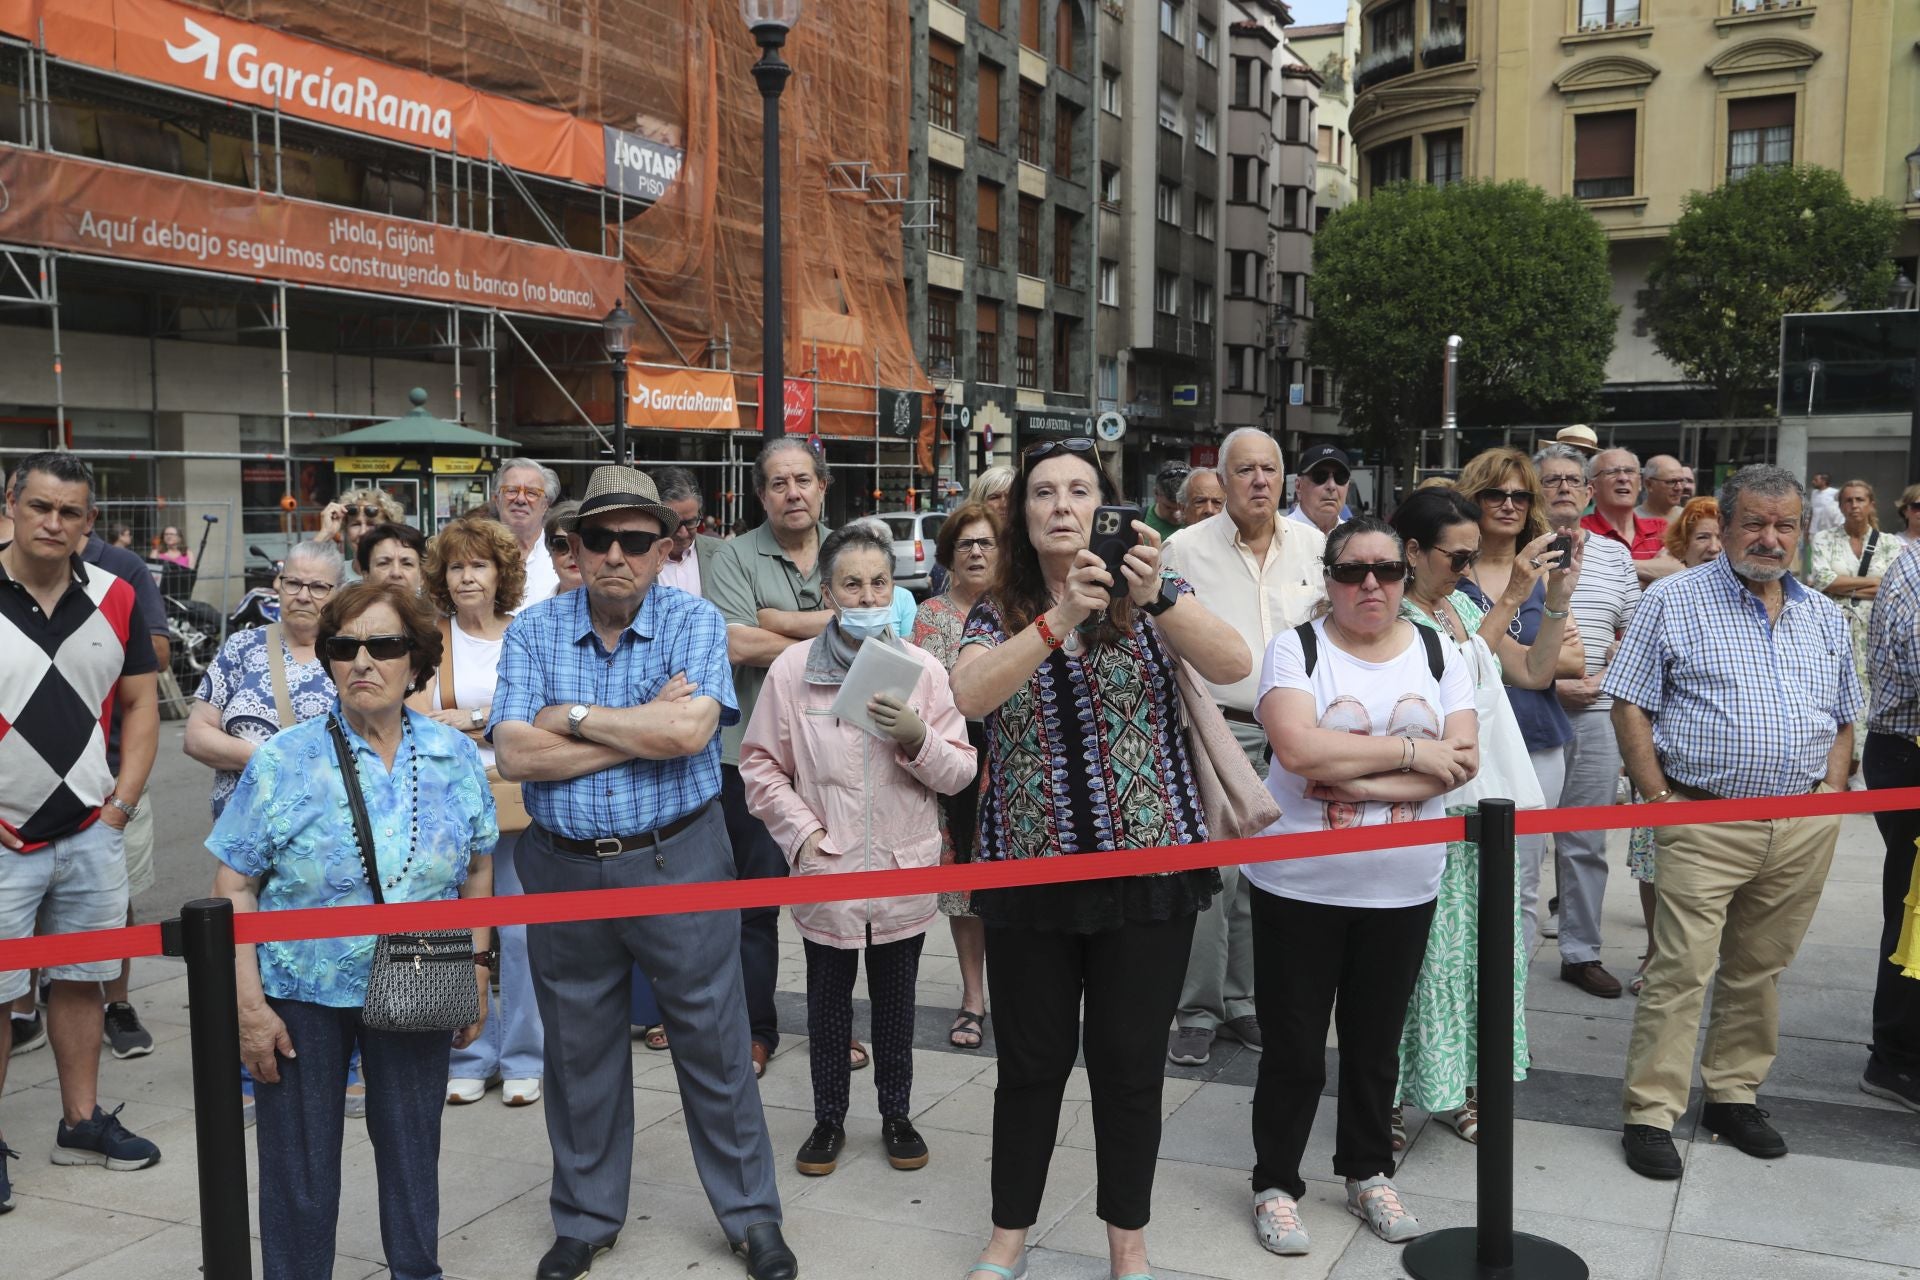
1900,296
1283,327
770,21
618,330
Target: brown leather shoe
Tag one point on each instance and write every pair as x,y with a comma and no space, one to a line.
760,1057
1591,978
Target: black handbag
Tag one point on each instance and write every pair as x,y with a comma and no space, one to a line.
419,981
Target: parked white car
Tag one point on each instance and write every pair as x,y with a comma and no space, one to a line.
913,537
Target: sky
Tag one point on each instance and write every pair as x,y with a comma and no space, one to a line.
1308,13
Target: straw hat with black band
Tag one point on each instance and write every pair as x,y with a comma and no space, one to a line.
621,489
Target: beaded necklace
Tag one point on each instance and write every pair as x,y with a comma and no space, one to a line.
413,803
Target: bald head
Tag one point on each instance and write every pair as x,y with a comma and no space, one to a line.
1669,486
1616,484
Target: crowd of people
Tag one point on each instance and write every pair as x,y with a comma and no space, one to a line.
546,696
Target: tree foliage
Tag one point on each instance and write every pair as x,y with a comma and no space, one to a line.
1521,277
1777,241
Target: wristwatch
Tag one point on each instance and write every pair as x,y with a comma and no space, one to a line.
488,959
478,719
576,716
1169,595
131,810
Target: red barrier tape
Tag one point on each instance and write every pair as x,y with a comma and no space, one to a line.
727,895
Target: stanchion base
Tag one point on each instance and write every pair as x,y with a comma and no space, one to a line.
1454,1254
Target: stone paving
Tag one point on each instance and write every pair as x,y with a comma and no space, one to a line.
1844,1206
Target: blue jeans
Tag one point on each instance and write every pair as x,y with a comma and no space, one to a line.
300,1124
513,1040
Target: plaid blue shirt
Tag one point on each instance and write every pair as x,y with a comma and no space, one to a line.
1739,709
1893,649
553,657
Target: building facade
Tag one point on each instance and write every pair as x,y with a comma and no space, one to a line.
1330,49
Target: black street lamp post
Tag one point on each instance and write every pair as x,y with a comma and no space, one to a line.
618,329
770,20
1900,298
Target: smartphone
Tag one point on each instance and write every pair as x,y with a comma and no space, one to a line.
1564,545
1114,536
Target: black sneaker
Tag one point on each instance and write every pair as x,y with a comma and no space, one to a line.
1894,1086
906,1149
820,1154
28,1034
124,1033
1650,1152
6,1184
1746,1127
104,1140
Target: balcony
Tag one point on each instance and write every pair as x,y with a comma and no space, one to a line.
1443,46
1377,66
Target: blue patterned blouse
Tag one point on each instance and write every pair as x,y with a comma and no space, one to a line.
288,824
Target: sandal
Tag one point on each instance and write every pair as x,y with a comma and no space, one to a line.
1466,1121
966,1023
655,1037
1399,1128
858,1056
1276,1223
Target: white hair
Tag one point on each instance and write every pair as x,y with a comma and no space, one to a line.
1557,452
549,478
1187,484
1248,433
321,555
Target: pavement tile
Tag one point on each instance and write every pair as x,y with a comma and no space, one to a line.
1051,1264
1584,1042
168,1191
837,1244
663,1155
1865,1211
46,1237
789,1081
1611,1252
470,1187
669,1231
1691,1257
174,1254
1576,1173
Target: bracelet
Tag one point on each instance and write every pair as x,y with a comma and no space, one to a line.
1406,761
1558,615
1657,796
1046,633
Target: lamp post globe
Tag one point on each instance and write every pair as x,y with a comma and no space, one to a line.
770,20
1900,296
617,329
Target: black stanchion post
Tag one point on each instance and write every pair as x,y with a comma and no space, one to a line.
203,935
1492,1250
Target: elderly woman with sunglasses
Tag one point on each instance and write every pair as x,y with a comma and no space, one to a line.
1371,719
286,841
1073,673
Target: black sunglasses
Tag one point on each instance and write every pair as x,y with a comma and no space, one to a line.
1495,497
558,542
633,542
1458,561
379,648
1320,475
1354,572
1047,448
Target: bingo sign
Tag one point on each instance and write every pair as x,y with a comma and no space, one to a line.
900,413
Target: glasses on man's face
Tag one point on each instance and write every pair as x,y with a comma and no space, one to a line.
1520,498
1561,482
1325,475
1354,572
1458,561
1612,473
633,542
315,590
966,545
531,492
379,648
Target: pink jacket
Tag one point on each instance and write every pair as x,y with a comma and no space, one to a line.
805,769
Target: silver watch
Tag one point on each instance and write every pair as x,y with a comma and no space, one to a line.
131,810
478,719
576,716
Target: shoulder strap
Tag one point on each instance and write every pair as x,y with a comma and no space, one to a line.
1436,660
1309,646
357,803
277,673
447,702
1866,556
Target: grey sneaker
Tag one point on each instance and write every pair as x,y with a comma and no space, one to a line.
1276,1220
1376,1202
1189,1046
124,1033
28,1033
1244,1029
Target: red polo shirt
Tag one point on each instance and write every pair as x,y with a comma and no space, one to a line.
1649,536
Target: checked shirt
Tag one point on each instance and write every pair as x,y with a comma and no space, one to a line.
1893,649
1740,710
552,657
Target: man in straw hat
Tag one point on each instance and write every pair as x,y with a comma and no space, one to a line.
608,708
1578,436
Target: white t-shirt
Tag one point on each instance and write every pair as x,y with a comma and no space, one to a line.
542,581
475,662
1399,698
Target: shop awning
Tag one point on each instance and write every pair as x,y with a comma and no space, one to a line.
420,428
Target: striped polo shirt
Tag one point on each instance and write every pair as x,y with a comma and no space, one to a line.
1603,603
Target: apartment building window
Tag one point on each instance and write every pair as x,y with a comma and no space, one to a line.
1166,203
1110,91
1205,130
1203,217
1250,83
1166,293
1249,181
1107,379
1759,133
1390,27
1030,24
1319,389
1596,14
1063,35
1169,109
1110,183
1296,120
1603,147
1443,15
1029,236
1287,291
989,79
1320,215
942,308
1026,349
1390,164
1243,368
1246,274
1323,145
1064,224
1066,117
989,13
1202,302
1109,283
986,341
943,188
1206,42
1290,208
943,85
1062,353
1030,148
987,224
1445,153
1170,19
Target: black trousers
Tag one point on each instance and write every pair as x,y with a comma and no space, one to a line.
1128,981
1306,955
755,857
1894,762
893,974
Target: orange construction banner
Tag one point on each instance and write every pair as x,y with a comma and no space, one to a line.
66,203
681,399
205,52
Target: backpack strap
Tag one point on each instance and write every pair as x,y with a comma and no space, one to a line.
1309,646
1436,660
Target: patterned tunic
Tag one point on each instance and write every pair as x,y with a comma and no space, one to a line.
938,628
1834,557
1090,756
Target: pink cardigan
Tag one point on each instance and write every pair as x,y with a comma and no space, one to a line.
805,769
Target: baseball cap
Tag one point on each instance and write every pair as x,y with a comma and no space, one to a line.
1320,453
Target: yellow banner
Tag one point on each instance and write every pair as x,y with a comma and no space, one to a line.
460,466
366,466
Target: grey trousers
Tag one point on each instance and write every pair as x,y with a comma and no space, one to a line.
1550,767
582,980
1219,983
1580,857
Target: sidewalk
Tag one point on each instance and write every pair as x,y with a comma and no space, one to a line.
1841,1207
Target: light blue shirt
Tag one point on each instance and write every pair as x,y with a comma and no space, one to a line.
1893,649
1740,709
288,824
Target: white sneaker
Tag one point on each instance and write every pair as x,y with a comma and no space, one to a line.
461,1092
520,1093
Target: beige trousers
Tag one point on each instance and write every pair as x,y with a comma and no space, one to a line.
1742,893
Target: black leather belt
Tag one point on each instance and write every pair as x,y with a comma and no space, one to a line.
1239,717
614,846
